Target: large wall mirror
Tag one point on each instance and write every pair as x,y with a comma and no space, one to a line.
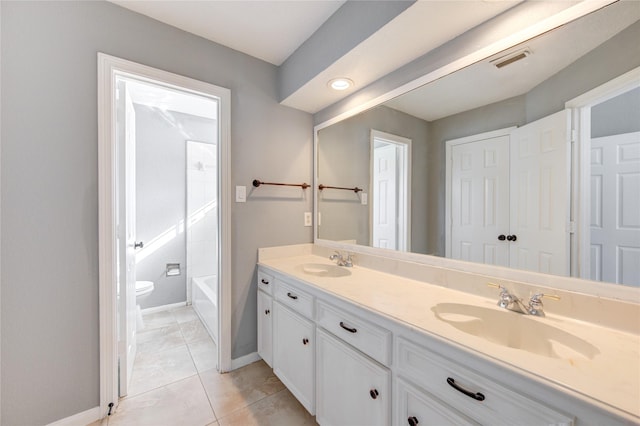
478,165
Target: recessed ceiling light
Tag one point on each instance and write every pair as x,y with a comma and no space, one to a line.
340,83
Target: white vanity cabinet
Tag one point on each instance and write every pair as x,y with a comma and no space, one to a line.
265,314
294,342
352,389
471,394
350,365
265,327
413,406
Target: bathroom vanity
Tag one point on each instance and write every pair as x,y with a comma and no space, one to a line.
396,342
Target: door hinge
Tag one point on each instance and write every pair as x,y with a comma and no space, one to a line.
574,135
571,227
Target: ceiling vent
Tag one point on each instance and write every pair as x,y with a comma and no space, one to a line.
510,58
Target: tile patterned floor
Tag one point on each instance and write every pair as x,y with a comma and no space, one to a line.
175,382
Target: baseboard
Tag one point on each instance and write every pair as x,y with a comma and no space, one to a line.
163,308
244,360
80,419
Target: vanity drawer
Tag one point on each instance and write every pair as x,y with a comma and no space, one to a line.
265,282
478,397
293,297
371,339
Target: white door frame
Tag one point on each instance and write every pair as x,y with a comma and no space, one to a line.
108,67
581,159
448,175
404,184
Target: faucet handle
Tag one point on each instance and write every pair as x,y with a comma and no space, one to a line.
537,298
505,297
535,303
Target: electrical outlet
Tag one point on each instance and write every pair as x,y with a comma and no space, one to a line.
307,218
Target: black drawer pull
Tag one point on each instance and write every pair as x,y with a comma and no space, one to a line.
294,297
263,281
349,329
267,312
477,395
502,237
413,421
305,341
374,393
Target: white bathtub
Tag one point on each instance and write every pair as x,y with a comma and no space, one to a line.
205,302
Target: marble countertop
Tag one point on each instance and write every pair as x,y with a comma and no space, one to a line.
610,379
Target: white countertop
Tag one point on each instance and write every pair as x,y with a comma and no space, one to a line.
611,378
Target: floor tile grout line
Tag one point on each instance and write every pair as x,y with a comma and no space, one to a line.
208,397
250,405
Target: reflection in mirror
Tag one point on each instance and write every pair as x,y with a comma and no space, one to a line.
488,167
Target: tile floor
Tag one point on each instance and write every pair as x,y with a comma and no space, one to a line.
175,382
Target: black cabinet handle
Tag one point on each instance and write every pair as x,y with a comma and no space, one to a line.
502,237
267,312
263,281
477,395
511,237
349,329
294,297
413,420
374,393
305,341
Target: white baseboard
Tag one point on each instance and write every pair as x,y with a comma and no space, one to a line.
244,360
163,308
80,419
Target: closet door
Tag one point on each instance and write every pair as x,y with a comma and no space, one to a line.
480,200
540,197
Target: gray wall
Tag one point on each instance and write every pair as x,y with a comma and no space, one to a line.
49,193
344,160
617,115
161,194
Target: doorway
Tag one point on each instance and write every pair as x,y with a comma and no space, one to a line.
390,183
122,86
607,181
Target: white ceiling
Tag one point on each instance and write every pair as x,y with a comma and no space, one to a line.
273,30
422,27
482,83
266,29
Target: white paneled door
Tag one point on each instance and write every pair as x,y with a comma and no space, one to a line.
510,191
126,147
385,205
615,209
540,195
480,200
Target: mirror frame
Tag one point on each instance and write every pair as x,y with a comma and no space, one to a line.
578,285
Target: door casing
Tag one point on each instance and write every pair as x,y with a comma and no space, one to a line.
108,67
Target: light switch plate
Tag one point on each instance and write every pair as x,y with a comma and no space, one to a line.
307,218
364,199
241,194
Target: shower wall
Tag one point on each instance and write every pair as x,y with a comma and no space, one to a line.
161,137
202,210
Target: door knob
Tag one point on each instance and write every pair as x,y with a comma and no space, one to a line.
502,237
511,238
138,245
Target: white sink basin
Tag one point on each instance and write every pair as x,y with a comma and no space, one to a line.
515,330
324,270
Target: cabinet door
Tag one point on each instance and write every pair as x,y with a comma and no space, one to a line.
265,327
352,389
416,407
294,354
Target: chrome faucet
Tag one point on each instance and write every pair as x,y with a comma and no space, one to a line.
341,260
513,303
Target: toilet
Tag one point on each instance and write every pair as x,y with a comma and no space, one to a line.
143,290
